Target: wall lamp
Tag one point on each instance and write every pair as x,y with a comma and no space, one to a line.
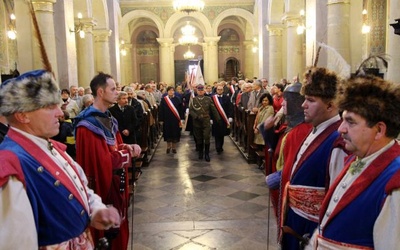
79,28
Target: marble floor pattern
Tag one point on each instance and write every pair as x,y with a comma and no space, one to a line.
182,203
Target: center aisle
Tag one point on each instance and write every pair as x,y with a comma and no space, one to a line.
181,202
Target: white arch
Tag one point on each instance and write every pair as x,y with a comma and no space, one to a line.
249,17
175,18
128,17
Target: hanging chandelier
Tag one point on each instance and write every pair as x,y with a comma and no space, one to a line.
188,35
188,6
188,54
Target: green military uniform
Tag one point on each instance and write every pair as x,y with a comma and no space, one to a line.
200,109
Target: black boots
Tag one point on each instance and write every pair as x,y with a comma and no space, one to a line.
206,152
206,148
200,147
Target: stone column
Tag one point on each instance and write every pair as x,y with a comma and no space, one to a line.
393,50
338,30
294,59
44,15
166,69
275,52
261,62
206,58
85,52
211,61
102,50
135,64
126,64
249,55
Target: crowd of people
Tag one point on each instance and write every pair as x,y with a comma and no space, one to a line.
334,162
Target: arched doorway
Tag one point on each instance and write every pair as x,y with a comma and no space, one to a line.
232,66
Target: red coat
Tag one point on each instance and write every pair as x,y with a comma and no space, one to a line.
99,160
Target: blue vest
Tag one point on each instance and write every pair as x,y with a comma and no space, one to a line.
358,229
58,215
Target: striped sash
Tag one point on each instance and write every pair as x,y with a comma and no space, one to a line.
173,109
220,109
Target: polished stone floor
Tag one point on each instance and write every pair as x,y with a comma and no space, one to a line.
184,203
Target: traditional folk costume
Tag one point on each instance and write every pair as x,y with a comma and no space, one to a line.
286,147
171,114
221,129
45,199
305,178
100,151
276,140
46,174
360,210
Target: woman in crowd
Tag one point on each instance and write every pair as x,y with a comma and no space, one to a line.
265,110
170,116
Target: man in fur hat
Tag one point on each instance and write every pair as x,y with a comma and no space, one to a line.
361,209
104,157
45,201
307,173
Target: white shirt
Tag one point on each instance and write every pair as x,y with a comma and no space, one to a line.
17,225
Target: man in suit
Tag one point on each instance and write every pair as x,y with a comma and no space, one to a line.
245,96
225,111
126,117
254,99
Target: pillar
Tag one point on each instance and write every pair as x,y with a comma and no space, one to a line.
45,16
211,60
126,64
102,50
338,30
393,73
261,64
275,52
167,65
248,70
294,58
85,52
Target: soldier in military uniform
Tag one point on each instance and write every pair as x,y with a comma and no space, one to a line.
202,110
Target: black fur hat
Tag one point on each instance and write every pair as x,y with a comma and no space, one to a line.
28,92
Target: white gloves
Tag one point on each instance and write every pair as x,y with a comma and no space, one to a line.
230,119
211,122
187,111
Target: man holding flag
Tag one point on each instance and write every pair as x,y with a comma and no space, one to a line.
202,110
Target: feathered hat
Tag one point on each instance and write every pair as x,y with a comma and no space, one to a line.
30,91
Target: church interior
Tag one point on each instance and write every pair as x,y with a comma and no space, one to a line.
180,202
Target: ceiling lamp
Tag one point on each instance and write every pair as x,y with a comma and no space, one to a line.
188,54
188,35
188,6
